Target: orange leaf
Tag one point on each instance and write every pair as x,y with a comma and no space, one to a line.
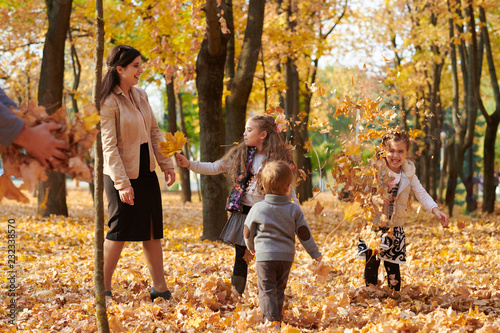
352,210
173,144
318,208
10,191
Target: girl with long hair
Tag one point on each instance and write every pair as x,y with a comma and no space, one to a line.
261,143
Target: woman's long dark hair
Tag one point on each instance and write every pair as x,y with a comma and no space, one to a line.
121,55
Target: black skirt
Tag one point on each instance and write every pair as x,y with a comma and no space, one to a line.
133,223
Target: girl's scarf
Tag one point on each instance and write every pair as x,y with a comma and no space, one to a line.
240,184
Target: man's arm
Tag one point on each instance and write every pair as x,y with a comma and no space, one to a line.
37,140
10,125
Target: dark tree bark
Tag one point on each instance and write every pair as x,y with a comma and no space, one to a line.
436,121
209,82
242,82
172,128
184,173
463,122
102,319
171,109
436,124
294,134
52,193
492,122
472,87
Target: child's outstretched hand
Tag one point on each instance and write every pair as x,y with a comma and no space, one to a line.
318,259
182,161
387,198
443,218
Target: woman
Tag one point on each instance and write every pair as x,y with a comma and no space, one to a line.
130,137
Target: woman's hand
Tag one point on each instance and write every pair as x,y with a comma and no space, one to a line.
169,177
127,195
318,259
182,161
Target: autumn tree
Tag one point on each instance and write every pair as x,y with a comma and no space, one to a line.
52,193
463,38
209,82
493,119
23,28
240,81
297,38
102,318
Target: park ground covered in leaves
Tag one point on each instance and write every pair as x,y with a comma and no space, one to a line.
450,284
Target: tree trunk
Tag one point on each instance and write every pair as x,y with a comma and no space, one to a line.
209,82
452,173
442,173
452,178
490,181
472,107
102,319
296,133
172,128
305,187
241,84
52,193
184,173
464,123
171,112
436,124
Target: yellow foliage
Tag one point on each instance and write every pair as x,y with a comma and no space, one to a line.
173,144
450,281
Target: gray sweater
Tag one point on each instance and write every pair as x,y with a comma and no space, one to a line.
10,125
270,229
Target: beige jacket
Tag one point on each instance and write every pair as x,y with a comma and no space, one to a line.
409,183
120,136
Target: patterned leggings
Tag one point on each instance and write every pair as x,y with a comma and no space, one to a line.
371,271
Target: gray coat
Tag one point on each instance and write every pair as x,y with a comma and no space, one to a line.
271,226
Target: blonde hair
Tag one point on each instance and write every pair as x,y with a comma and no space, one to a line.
273,147
276,177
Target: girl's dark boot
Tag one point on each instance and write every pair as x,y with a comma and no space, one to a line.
239,283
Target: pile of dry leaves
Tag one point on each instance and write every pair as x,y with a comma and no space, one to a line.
450,283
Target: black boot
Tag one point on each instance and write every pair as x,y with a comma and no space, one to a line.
155,293
239,283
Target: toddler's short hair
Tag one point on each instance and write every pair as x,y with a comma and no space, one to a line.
276,176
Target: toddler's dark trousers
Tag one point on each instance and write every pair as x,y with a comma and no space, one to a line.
272,277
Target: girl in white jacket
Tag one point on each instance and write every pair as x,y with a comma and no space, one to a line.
396,144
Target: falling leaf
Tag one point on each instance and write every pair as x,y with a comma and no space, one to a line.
318,208
9,191
173,144
91,120
415,133
352,210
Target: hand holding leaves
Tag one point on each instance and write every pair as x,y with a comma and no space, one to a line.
173,144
